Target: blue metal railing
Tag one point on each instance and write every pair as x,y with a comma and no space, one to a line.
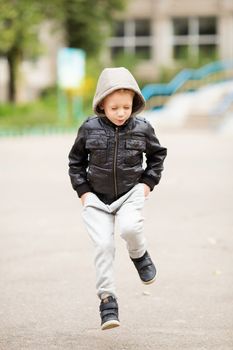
187,75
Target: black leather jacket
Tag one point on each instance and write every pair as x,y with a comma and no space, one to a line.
108,160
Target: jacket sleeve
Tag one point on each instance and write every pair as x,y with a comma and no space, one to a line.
155,155
78,162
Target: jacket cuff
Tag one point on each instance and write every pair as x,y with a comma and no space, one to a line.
81,189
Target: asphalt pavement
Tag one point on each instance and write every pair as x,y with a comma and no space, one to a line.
47,279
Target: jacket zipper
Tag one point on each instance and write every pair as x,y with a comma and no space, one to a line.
115,162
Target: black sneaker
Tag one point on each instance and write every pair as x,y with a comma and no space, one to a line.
109,313
146,268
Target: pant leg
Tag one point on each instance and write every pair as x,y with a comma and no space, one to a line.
100,226
130,221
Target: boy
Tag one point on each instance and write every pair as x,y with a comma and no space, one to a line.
105,167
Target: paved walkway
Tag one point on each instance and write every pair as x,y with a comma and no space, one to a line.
47,287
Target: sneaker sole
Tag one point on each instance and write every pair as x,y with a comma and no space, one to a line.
149,282
110,324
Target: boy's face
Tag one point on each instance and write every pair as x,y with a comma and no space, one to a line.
118,106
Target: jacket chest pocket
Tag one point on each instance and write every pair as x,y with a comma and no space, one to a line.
98,150
134,149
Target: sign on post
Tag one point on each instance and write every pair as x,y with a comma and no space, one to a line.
70,77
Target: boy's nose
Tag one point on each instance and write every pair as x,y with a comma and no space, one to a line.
120,112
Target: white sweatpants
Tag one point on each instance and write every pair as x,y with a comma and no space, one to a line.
99,219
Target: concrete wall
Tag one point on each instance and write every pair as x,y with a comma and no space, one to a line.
3,79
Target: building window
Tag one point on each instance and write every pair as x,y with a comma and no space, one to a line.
207,26
119,29
195,37
142,28
181,52
180,26
132,37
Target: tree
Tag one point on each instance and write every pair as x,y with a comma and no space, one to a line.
87,22
19,22
84,24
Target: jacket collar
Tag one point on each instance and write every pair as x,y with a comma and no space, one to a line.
108,122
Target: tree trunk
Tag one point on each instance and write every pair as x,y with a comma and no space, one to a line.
12,59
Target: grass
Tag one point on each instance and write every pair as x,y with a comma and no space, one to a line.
41,115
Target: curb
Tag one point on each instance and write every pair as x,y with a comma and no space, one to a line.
48,130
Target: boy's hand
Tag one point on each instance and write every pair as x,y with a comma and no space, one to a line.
146,190
83,197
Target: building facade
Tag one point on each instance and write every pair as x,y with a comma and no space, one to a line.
162,32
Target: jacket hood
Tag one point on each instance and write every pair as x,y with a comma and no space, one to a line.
112,79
